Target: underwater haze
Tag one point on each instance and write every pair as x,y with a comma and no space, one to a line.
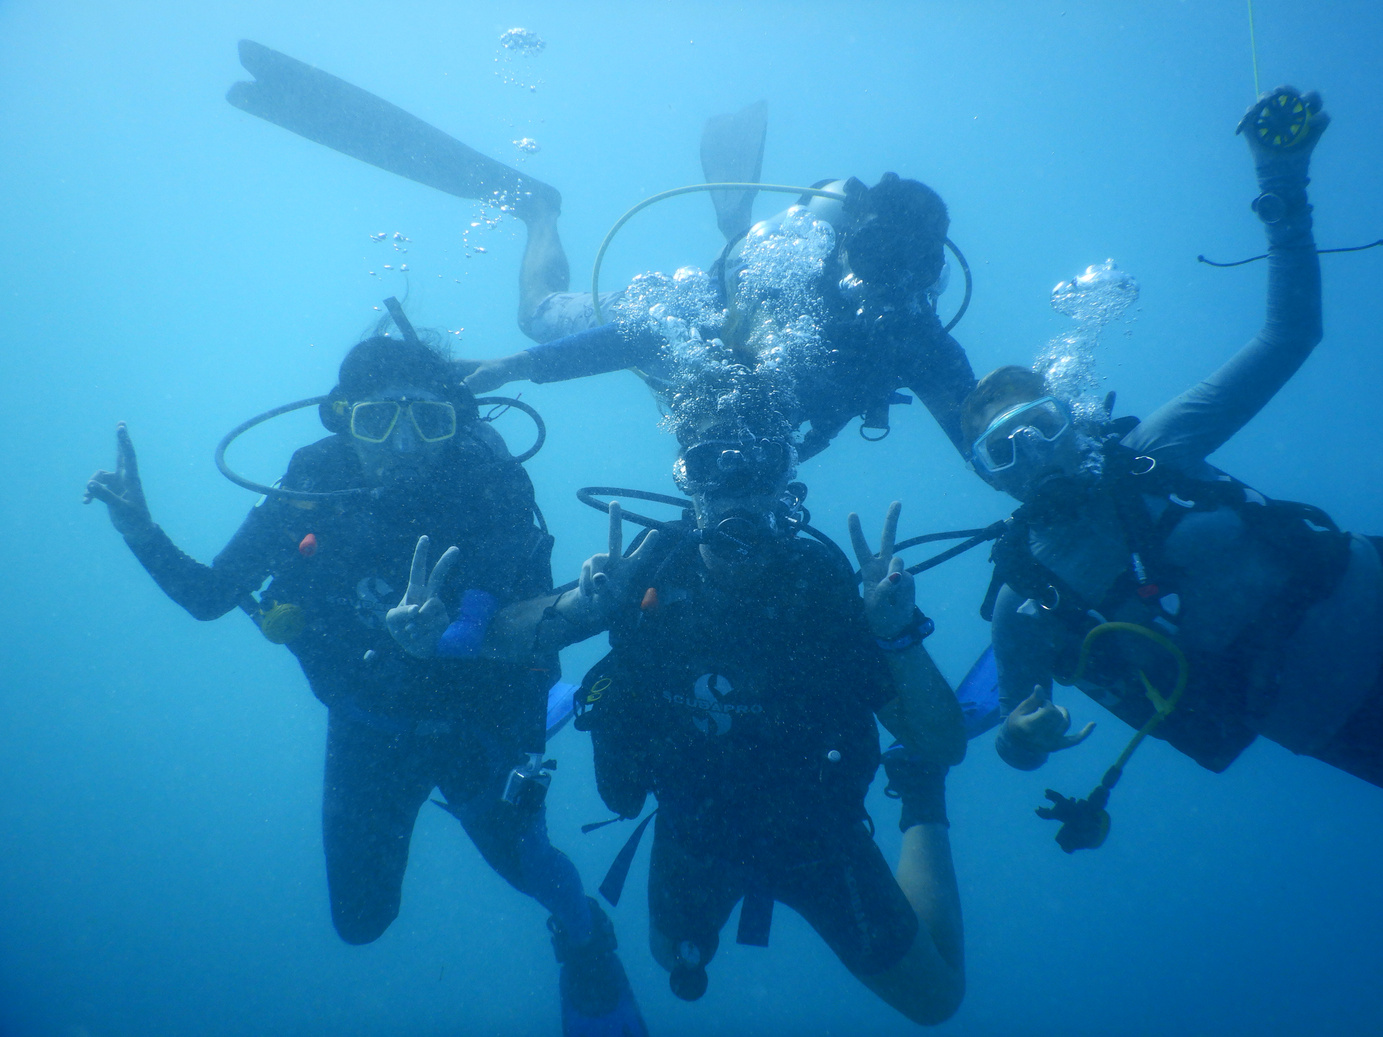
175,263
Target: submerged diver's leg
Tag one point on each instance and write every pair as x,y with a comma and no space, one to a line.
900,937
544,270
690,898
595,993
1357,748
514,841
928,983
374,786
732,150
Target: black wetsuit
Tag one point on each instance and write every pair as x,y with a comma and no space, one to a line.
729,709
398,726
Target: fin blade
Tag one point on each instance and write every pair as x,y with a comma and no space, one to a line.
732,151
329,111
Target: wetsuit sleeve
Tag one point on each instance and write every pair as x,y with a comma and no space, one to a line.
941,379
262,544
210,591
606,348
1186,430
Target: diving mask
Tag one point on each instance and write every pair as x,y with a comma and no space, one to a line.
373,421
756,466
1044,419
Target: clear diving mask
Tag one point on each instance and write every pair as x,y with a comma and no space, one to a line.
1043,420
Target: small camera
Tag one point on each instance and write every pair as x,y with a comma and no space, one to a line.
527,785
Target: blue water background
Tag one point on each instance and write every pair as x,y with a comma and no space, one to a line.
177,264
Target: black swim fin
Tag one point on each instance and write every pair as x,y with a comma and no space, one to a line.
319,106
732,151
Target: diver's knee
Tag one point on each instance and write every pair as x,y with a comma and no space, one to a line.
663,948
358,926
932,1003
942,1006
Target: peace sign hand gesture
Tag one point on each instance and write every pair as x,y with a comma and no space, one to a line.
420,619
889,590
604,579
121,491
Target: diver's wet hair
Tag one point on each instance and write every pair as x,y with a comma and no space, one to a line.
380,362
905,239
1004,384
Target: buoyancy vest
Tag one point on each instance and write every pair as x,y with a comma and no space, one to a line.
747,718
358,570
1212,724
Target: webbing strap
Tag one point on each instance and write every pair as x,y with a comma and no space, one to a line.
756,917
613,885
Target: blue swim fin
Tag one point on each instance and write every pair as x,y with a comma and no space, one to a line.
596,998
561,704
979,695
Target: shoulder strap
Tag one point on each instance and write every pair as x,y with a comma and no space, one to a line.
1017,567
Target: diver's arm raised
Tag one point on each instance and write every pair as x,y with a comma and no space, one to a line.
534,628
1200,420
924,715
206,592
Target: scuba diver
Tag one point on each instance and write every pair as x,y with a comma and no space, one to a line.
877,291
408,452
741,688
1191,606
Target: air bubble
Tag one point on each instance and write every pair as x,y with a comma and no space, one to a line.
522,41
1093,299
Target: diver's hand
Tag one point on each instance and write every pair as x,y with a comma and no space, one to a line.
1040,725
605,579
1276,164
121,491
889,590
491,374
420,619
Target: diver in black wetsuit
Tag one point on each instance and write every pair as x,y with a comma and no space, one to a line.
1134,562
878,289
741,688
408,434
881,332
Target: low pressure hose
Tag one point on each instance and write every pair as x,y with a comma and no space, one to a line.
777,188
689,189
